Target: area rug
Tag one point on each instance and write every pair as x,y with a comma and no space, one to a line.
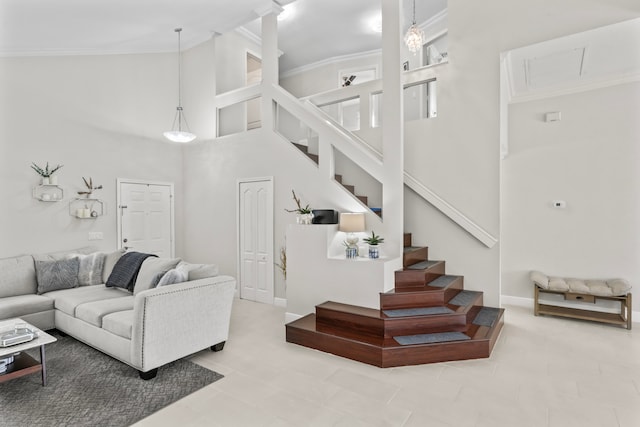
88,388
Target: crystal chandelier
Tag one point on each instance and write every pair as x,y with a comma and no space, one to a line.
179,135
415,36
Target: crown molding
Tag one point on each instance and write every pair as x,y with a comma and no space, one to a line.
242,31
327,61
437,19
575,88
100,52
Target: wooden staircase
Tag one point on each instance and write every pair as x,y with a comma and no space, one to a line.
428,317
350,188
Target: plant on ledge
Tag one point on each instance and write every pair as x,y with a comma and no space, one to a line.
304,213
45,173
90,187
374,241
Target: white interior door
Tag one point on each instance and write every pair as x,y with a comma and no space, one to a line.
146,217
256,240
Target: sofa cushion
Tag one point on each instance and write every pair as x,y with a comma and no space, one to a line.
93,312
21,305
67,300
119,323
55,275
110,261
150,269
199,271
18,276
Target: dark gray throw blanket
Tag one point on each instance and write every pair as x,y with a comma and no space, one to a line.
125,271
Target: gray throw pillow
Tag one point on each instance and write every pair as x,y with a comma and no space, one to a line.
91,268
56,275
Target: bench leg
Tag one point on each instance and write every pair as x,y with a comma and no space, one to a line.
629,311
535,301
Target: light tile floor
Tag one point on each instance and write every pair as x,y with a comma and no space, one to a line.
544,371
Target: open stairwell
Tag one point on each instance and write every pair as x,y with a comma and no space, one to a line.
428,317
338,178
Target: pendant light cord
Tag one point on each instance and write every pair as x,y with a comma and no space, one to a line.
414,12
179,30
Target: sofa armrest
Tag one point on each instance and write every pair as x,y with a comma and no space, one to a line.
175,321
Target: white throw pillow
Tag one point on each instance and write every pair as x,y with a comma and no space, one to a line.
173,276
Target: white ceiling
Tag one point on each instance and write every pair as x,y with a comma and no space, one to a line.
314,29
50,27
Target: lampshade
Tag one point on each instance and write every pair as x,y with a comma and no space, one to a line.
352,222
179,135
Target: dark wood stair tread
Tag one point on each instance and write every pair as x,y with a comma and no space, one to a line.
424,265
463,298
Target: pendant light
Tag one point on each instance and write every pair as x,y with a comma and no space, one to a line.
179,135
414,38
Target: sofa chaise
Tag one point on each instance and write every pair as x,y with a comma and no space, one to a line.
174,309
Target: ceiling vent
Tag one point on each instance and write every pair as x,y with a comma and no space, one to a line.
554,69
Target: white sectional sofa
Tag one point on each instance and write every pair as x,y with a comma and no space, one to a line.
145,327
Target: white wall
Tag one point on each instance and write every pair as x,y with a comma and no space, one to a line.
457,154
99,116
588,159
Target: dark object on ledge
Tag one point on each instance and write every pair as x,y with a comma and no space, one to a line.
325,216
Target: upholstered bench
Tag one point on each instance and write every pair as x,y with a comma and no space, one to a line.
584,290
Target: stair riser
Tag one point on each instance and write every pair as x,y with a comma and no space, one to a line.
344,347
406,238
430,353
390,357
415,256
417,278
330,320
432,298
359,327
425,325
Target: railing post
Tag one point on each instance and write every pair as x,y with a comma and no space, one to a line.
269,67
392,129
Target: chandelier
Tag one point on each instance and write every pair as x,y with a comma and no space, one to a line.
414,38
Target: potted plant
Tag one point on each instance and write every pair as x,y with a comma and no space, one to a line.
374,241
351,251
304,214
46,173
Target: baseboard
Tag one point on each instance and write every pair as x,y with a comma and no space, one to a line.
290,317
517,301
528,303
280,302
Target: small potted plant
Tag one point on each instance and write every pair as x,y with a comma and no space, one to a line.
351,251
374,241
304,214
46,173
